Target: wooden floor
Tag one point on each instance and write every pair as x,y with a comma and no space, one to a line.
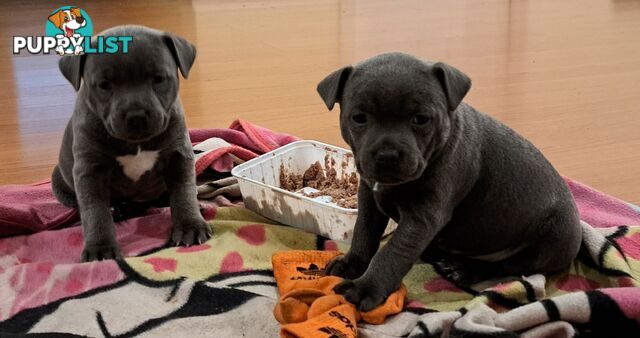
565,74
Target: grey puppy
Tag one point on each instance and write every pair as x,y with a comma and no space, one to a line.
127,138
468,193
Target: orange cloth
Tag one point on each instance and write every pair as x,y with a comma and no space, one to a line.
309,308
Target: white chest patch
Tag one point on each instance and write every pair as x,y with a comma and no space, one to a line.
134,166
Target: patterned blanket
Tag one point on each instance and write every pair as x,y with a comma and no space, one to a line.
225,287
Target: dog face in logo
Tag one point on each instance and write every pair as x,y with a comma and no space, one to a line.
68,20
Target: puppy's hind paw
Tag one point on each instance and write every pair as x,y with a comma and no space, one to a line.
191,233
464,274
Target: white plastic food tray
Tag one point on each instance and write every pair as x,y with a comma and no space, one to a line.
259,181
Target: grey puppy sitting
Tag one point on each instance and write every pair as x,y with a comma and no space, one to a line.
127,138
467,192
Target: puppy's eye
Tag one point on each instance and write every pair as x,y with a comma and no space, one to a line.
158,79
66,19
105,85
420,120
359,118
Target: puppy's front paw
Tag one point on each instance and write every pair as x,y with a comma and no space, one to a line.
365,296
191,232
346,266
98,252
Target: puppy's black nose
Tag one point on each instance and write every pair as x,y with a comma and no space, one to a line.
387,157
79,20
137,120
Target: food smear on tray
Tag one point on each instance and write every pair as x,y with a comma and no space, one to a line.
322,183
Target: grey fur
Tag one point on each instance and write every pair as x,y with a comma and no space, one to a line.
126,103
460,184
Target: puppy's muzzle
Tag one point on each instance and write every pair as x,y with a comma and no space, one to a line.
386,159
137,122
386,164
79,20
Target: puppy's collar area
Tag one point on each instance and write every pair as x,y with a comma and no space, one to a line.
134,166
377,186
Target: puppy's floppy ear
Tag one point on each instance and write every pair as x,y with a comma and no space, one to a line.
75,11
57,18
330,89
183,52
71,67
454,83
